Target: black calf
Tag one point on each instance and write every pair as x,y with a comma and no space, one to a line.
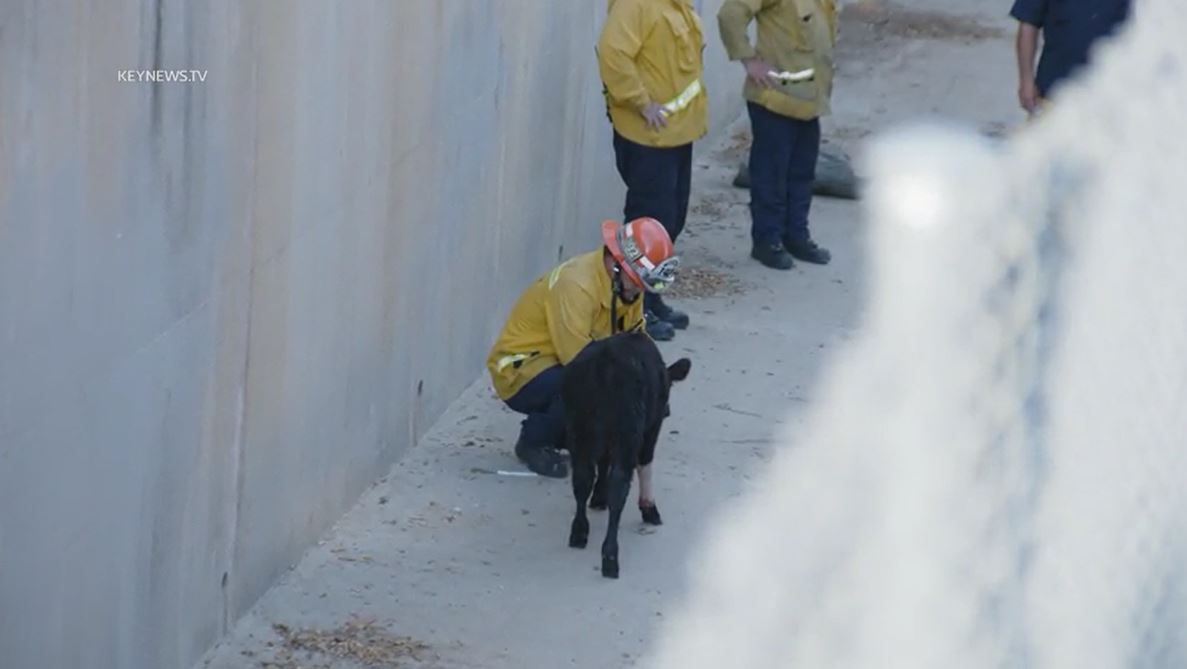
615,394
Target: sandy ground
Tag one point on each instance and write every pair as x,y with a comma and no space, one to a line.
447,563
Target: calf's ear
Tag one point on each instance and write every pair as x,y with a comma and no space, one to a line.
678,371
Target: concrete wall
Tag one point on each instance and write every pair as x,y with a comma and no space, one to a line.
226,307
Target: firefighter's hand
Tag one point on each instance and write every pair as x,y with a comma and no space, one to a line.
1028,95
654,113
759,71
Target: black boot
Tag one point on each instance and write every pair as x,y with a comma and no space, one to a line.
543,460
772,255
659,330
808,251
675,318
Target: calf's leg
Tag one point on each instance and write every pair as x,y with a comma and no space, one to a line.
646,493
620,488
647,498
598,501
583,471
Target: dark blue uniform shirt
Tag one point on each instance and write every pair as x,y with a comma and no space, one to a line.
1070,27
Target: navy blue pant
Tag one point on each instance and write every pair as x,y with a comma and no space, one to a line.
782,169
658,182
540,401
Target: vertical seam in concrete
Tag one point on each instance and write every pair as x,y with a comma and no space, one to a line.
502,144
241,413
575,201
579,236
155,90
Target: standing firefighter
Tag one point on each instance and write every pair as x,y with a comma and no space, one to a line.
587,297
789,80
649,56
1071,30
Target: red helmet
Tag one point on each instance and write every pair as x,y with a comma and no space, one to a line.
644,250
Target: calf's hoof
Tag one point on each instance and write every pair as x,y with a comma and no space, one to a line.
598,501
609,566
651,515
579,534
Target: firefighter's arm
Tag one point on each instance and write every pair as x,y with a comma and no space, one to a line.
618,46
833,20
570,312
733,20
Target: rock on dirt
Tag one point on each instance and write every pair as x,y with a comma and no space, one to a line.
834,177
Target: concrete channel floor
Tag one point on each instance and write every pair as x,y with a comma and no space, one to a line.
447,563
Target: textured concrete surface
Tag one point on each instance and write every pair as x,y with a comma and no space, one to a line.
226,307
475,565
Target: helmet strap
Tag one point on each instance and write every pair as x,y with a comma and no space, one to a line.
614,291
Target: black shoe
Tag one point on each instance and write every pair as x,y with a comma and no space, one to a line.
772,255
543,460
675,318
808,251
659,330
